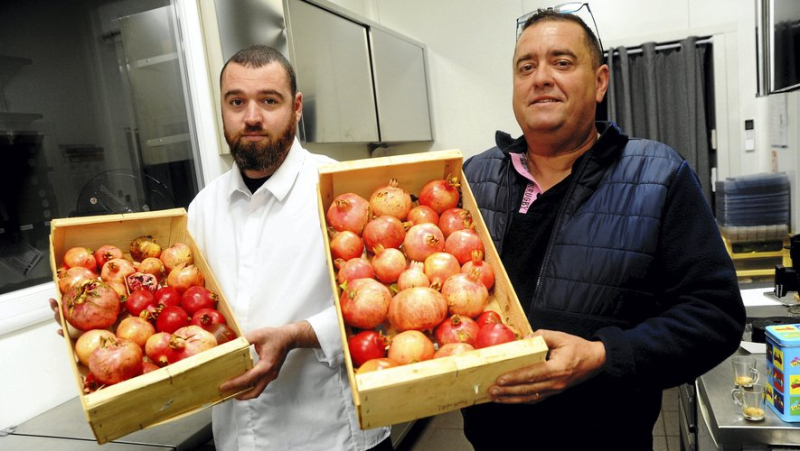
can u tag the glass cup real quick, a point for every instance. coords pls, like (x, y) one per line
(751, 400)
(745, 373)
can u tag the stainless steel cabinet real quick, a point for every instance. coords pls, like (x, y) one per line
(401, 88)
(360, 81)
(332, 61)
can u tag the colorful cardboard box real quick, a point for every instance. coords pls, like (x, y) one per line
(783, 370)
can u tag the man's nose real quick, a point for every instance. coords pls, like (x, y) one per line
(543, 76)
(252, 114)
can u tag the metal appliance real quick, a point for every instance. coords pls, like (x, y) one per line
(788, 279)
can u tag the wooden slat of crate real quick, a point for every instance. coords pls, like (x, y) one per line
(171, 392)
(436, 386)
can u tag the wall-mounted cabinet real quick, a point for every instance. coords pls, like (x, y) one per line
(361, 82)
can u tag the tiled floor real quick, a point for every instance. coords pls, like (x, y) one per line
(444, 432)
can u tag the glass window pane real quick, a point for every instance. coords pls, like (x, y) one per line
(94, 119)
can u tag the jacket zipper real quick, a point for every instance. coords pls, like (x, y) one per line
(557, 226)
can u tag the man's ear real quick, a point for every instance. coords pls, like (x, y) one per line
(298, 106)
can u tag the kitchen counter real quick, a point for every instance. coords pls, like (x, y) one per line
(723, 419)
(65, 428)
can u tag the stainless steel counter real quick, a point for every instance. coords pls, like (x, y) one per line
(723, 418)
(65, 428)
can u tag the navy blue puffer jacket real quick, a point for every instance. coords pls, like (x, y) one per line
(635, 258)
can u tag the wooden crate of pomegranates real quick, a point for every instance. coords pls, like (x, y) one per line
(428, 317)
(149, 333)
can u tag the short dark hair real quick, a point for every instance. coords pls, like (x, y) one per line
(257, 56)
(548, 15)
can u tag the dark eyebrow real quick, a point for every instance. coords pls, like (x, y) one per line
(552, 53)
(263, 92)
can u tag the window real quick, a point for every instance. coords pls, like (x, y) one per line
(94, 119)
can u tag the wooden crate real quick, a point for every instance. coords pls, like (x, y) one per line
(441, 385)
(168, 393)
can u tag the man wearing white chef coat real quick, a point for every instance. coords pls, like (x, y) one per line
(258, 227)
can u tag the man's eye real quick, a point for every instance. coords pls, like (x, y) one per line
(525, 68)
(563, 63)
(236, 102)
(270, 101)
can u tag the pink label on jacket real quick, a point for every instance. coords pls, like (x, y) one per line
(532, 191)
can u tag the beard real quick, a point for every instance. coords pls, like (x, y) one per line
(267, 154)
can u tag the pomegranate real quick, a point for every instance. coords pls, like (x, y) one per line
(410, 346)
(140, 280)
(188, 341)
(346, 245)
(90, 305)
(206, 317)
(439, 266)
(148, 366)
(116, 360)
(144, 247)
(348, 211)
(457, 329)
(422, 214)
(138, 301)
(376, 365)
(453, 349)
(386, 231)
(465, 294)
(222, 332)
(494, 334)
(80, 256)
(422, 240)
(461, 243)
(391, 200)
(157, 348)
(486, 273)
(417, 308)
(176, 255)
(440, 194)
(117, 270)
(413, 276)
(135, 329)
(488, 317)
(454, 219)
(355, 268)
(388, 264)
(154, 266)
(106, 253)
(88, 342)
(183, 277)
(364, 303)
(196, 298)
(171, 318)
(366, 345)
(74, 276)
(119, 288)
(165, 296)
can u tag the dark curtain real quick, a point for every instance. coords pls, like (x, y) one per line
(660, 95)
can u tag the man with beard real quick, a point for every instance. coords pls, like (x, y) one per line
(258, 227)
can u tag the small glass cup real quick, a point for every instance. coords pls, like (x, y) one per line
(751, 400)
(745, 373)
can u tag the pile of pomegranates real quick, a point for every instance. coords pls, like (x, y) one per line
(414, 284)
(132, 314)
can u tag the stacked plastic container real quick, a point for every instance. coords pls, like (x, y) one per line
(753, 207)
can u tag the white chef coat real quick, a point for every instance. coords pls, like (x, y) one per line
(268, 258)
